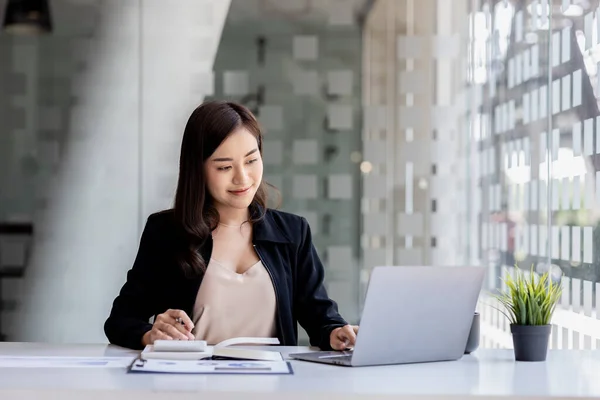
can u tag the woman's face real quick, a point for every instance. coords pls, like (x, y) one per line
(234, 171)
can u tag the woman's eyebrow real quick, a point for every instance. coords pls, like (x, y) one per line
(231, 159)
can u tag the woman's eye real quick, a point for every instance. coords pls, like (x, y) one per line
(253, 160)
(223, 168)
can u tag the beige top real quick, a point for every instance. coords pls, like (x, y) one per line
(230, 305)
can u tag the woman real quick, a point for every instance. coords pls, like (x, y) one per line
(220, 264)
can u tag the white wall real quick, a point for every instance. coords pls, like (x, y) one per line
(135, 81)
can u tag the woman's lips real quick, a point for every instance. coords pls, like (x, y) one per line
(240, 192)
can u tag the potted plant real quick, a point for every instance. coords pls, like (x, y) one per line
(529, 302)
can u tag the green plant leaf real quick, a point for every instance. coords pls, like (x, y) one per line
(529, 299)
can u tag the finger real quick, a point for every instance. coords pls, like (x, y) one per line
(182, 318)
(181, 328)
(158, 335)
(174, 332)
(335, 341)
(168, 319)
(352, 334)
(338, 344)
(355, 329)
(164, 317)
(339, 339)
(347, 333)
(347, 336)
(171, 330)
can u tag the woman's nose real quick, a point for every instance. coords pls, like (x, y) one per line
(240, 176)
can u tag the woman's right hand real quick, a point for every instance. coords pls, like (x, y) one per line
(170, 325)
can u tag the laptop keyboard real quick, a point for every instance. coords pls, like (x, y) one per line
(336, 354)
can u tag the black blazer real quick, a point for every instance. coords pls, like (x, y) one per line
(283, 242)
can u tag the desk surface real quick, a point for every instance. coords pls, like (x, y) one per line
(483, 374)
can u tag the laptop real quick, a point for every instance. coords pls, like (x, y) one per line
(411, 315)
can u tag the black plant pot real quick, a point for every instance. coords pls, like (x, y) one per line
(473, 340)
(530, 341)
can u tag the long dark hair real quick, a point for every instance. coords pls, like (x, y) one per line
(208, 126)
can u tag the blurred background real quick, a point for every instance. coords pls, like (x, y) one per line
(429, 132)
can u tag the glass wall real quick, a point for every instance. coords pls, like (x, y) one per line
(492, 117)
(416, 207)
(537, 75)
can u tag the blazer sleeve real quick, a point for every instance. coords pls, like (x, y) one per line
(135, 304)
(316, 312)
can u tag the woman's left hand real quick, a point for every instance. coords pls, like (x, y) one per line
(343, 337)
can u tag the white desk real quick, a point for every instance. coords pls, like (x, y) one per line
(484, 374)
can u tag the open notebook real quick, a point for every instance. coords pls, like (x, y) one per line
(199, 350)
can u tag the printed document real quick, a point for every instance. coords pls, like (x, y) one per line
(212, 367)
